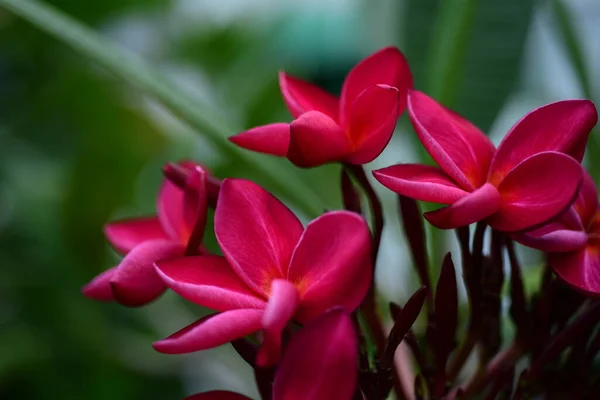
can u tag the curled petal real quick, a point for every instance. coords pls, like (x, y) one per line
(563, 126)
(537, 190)
(316, 139)
(301, 96)
(208, 281)
(331, 265)
(420, 182)
(282, 305)
(271, 139)
(171, 212)
(320, 362)
(195, 208)
(99, 287)
(372, 121)
(217, 395)
(457, 146)
(124, 235)
(553, 237)
(580, 269)
(135, 281)
(385, 67)
(256, 232)
(586, 204)
(475, 207)
(212, 331)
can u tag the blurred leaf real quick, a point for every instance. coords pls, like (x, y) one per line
(467, 53)
(446, 311)
(133, 70)
(493, 61)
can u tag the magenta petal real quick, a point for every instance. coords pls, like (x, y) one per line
(475, 207)
(99, 287)
(256, 232)
(586, 204)
(457, 146)
(563, 126)
(420, 182)
(135, 281)
(217, 395)
(208, 281)
(195, 208)
(316, 139)
(332, 263)
(552, 238)
(371, 122)
(212, 331)
(580, 269)
(282, 305)
(385, 67)
(301, 96)
(171, 212)
(271, 139)
(537, 190)
(124, 235)
(320, 362)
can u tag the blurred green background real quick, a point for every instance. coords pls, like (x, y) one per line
(79, 147)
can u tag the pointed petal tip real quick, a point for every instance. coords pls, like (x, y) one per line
(99, 288)
(270, 139)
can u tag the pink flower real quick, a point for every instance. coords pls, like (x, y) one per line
(175, 231)
(320, 363)
(354, 129)
(273, 270)
(572, 241)
(527, 181)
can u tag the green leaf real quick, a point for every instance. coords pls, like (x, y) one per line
(204, 119)
(573, 47)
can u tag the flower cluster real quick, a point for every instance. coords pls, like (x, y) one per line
(290, 298)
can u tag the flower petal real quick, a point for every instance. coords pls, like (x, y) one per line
(320, 362)
(372, 121)
(212, 331)
(553, 237)
(125, 234)
(316, 139)
(195, 208)
(420, 182)
(586, 204)
(99, 288)
(301, 96)
(217, 395)
(135, 281)
(208, 281)
(580, 269)
(256, 232)
(475, 207)
(170, 211)
(386, 67)
(282, 305)
(331, 265)
(271, 139)
(457, 146)
(562, 126)
(537, 190)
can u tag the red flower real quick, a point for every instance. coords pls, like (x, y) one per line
(573, 241)
(178, 225)
(319, 364)
(354, 129)
(526, 182)
(273, 270)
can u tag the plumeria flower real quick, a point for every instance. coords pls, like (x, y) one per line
(532, 176)
(354, 128)
(273, 271)
(176, 230)
(572, 241)
(320, 363)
